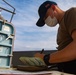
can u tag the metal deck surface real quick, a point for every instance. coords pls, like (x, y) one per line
(15, 71)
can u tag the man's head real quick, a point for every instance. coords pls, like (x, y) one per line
(43, 12)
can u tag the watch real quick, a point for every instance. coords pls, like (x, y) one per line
(46, 59)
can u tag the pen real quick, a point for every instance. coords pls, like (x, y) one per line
(42, 51)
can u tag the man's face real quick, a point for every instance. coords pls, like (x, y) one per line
(49, 13)
(50, 18)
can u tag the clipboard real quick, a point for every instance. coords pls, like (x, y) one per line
(36, 68)
(32, 68)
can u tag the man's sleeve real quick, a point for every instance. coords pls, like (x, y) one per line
(71, 21)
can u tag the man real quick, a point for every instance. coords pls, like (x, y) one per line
(65, 57)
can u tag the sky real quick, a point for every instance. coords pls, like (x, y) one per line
(29, 37)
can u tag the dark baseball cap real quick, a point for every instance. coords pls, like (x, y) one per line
(42, 12)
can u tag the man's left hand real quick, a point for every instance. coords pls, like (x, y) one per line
(39, 55)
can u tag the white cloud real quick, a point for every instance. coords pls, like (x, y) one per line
(37, 45)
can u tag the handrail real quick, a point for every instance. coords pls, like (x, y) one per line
(13, 12)
(7, 10)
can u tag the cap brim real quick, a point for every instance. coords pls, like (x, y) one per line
(40, 22)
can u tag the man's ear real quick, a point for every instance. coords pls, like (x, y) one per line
(53, 7)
